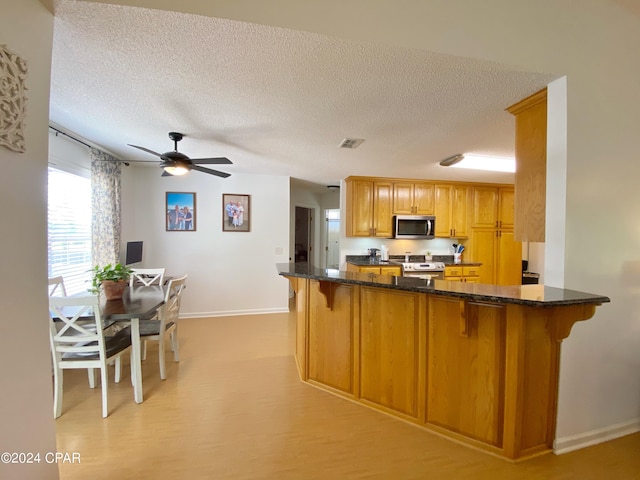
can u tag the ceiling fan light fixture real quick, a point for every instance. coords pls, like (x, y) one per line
(176, 163)
(176, 170)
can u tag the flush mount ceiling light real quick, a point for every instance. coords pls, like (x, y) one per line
(480, 162)
(333, 188)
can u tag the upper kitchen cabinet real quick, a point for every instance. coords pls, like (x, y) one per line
(413, 198)
(369, 207)
(451, 207)
(493, 207)
(531, 167)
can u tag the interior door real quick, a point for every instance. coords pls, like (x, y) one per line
(332, 247)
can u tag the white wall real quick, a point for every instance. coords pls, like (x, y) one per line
(230, 273)
(26, 395)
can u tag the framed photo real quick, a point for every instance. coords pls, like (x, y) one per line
(180, 208)
(236, 212)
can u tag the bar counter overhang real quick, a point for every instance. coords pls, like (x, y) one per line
(476, 363)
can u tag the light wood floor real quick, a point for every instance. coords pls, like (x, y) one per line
(234, 408)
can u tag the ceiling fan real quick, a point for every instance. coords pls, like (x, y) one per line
(176, 163)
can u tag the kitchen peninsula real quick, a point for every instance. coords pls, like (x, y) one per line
(477, 363)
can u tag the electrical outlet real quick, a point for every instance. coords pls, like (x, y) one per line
(279, 250)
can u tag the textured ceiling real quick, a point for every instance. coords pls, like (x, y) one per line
(275, 101)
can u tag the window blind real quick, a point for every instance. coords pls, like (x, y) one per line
(69, 229)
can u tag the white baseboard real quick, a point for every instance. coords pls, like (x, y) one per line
(593, 437)
(232, 313)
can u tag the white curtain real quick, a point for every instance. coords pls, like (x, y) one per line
(105, 207)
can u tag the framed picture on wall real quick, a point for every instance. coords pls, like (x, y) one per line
(180, 208)
(236, 212)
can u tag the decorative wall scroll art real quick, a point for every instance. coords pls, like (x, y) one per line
(236, 212)
(181, 212)
(13, 73)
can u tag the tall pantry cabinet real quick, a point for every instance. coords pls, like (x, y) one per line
(492, 241)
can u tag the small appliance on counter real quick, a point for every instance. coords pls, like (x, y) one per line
(529, 278)
(384, 253)
(373, 252)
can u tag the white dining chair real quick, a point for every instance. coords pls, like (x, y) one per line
(56, 287)
(147, 276)
(167, 325)
(77, 342)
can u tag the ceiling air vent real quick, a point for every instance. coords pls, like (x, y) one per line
(351, 143)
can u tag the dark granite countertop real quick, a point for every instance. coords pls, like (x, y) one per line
(532, 295)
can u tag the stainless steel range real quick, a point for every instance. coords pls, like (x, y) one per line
(423, 269)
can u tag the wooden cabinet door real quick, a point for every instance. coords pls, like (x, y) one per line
(451, 207)
(459, 208)
(509, 265)
(413, 198)
(403, 198)
(485, 207)
(382, 209)
(423, 198)
(367, 269)
(483, 249)
(442, 210)
(369, 208)
(392, 271)
(506, 211)
(360, 208)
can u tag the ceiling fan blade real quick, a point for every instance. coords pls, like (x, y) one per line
(145, 150)
(166, 174)
(139, 161)
(212, 161)
(210, 171)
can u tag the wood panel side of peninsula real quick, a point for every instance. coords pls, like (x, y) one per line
(483, 373)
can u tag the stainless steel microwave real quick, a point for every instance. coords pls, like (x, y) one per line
(414, 226)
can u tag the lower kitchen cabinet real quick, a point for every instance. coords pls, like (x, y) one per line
(499, 253)
(393, 270)
(459, 273)
(484, 373)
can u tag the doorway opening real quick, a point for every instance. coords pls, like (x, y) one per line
(332, 245)
(303, 237)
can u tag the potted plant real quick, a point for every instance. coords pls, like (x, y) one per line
(112, 279)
